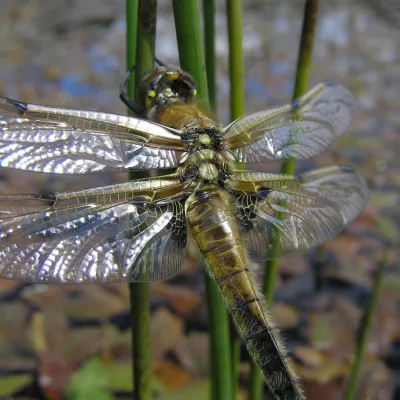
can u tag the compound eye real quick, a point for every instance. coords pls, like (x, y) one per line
(151, 95)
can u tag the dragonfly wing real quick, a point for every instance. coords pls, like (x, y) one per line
(301, 130)
(296, 213)
(107, 234)
(60, 140)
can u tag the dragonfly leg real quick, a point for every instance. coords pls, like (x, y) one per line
(160, 63)
(123, 93)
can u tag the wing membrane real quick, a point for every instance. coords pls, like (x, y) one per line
(300, 130)
(96, 234)
(296, 213)
(60, 140)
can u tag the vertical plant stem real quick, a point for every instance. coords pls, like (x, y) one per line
(212, 294)
(146, 38)
(191, 55)
(301, 84)
(190, 43)
(304, 60)
(140, 313)
(365, 330)
(143, 39)
(235, 357)
(220, 355)
(131, 10)
(237, 108)
(236, 60)
(209, 41)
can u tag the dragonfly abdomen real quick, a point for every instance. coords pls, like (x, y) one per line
(255, 326)
(215, 229)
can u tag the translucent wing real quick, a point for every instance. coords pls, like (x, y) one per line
(300, 130)
(124, 232)
(61, 140)
(296, 212)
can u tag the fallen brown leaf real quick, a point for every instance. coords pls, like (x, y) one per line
(171, 375)
(166, 332)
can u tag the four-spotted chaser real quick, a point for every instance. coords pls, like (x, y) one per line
(137, 230)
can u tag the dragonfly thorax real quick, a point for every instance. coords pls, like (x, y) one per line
(206, 166)
(197, 138)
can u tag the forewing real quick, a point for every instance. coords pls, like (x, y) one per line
(296, 213)
(300, 130)
(108, 234)
(60, 140)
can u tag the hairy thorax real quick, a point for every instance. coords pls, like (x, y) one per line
(206, 161)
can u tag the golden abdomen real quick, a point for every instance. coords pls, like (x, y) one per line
(215, 229)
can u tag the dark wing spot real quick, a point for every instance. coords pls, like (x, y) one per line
(263, 192)
(346, 168)
(19, 105)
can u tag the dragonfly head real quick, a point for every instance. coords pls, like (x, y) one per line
(165, 86)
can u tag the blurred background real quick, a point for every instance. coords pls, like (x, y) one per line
(66, 341)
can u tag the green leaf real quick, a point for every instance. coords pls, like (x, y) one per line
(388, 228)
(13, 383)
(89, 382)
(118, 376)
(321, 332)
(381, 200)
(97, 378)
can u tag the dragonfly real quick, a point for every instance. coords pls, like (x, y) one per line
(137, 230)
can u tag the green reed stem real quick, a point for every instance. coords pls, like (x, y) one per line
(209, 41)
(235, 356)
(191, 55)
(237, 108)
(301, 84)
(146, 38)
(365, 330)
(131, 9)
(220, 355)
(190, 43)
(236, 59)
(304, 61)
(141, 29)
(271, 273)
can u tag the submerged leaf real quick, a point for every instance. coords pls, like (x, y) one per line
(89, 382)
(171, 375)
(166, 332)
(383, 200)
(388, 227)
(14, 383)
